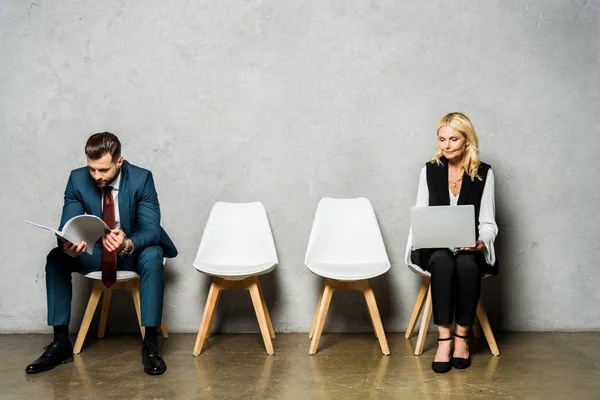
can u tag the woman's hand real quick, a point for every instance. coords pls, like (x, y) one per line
(479, 246)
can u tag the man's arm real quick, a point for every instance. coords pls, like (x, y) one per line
(71, 207)
(147, 231)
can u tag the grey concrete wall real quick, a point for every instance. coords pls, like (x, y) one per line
(286, 102)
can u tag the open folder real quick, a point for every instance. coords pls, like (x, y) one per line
(88, 228)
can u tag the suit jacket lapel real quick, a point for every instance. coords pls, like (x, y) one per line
(96, 201)
(124, 200)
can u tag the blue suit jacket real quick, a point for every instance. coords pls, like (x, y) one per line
(139, 210)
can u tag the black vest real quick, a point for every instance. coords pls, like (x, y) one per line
(470, 193)
(470, 190)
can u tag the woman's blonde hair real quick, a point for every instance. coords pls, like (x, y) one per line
(461, 123)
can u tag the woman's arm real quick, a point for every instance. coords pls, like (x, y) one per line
(488, 229)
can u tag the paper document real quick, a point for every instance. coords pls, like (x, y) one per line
(82, 228)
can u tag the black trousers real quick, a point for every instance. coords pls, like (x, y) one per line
(455, 283)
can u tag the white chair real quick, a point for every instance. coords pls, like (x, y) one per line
(346, 248)
(424, 298)
(236, 247)
(126, 280)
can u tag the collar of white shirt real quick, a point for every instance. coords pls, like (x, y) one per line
(116, 182)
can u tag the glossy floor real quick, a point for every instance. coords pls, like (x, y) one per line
(348, 366)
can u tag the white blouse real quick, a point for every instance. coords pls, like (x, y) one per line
(488, 229)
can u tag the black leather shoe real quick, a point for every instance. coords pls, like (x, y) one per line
(152, 360)
(458, 362)
(54, 354)
(441, 367)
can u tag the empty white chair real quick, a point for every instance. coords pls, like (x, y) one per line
(346, 248)
(424, 299)
(236, 247)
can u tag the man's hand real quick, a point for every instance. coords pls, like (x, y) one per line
(72, 249)
(479, 246)
(114, 240)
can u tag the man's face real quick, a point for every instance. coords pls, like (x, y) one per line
(103, 170)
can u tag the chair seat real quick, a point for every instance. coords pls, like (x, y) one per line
(122, 276)
(235, 272)
(349, 272)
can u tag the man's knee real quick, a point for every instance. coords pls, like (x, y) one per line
(57, 260)
(150, 259)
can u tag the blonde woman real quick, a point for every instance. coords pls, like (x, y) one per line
(456, 176)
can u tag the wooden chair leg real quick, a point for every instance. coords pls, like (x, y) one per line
(104, 311)
(372, 324)
(314, 323)
(425, 320)
(163, 330)
(135, 293)
(418, 307)
(259, 309)
(376, 318)
(212, 317)
(87, 317)
(487, 329)
(322, 315)
(264, 305)
(207, 316)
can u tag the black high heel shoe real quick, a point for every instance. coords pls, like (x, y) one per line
(461, 363)
(441, 367)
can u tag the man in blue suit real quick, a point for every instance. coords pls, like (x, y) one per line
(124, 196)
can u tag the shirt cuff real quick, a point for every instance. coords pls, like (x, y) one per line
(488, 250)
(132, 248)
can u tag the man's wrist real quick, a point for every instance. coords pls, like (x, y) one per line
(128, 249)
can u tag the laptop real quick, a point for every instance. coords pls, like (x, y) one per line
(443, 227)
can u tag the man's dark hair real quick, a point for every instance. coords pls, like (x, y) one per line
(101, 143)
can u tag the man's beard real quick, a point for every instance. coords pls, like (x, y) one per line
(104, 183)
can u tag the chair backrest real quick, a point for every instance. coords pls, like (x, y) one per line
(237, 234)
(345, 231)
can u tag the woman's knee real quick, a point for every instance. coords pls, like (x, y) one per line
(466, 263)
(443, 257)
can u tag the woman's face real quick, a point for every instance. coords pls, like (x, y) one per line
(452, 143)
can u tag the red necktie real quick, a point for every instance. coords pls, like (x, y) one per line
(109, 258)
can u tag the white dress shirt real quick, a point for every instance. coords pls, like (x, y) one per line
(488, 229)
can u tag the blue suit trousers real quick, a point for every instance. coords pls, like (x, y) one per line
(148, 263)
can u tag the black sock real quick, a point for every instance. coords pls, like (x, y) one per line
(151, 335)
(61, 334)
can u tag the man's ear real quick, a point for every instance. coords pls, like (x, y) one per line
(119, 162)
